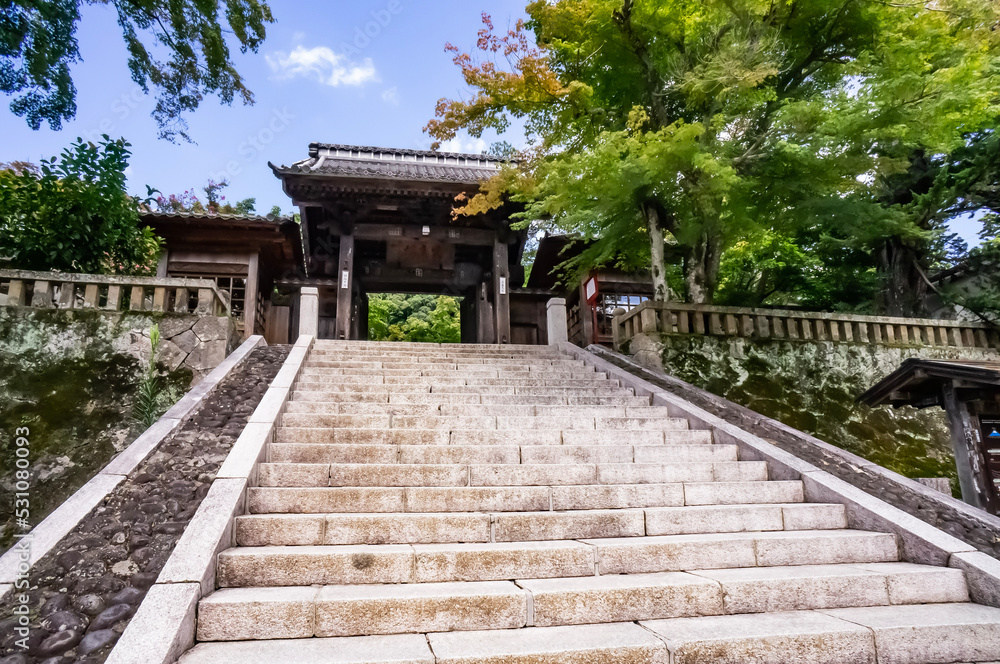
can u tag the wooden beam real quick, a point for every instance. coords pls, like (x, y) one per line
(410, 230)
(345, 286)
(501, 292)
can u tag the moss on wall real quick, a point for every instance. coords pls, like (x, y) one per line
(812, 386)
(69, 377)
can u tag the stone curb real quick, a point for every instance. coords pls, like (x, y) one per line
(65, 518)
(164, 626)
(919, 542)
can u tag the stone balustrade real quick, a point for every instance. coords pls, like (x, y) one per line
(55, 290)
(781, 324)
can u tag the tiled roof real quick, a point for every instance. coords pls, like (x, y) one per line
(209, 216)
(354, 161)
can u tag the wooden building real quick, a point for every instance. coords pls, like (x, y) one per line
(592, 300)
(244, 255)
(379, 220)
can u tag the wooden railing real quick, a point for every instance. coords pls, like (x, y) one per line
(680, 318)
(55, 290)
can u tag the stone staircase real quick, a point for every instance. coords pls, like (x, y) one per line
(459, 504)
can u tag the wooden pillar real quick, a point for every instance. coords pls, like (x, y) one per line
(501, 292)
(972, 474)
(250, 295)
(345, 286)
(484, 312)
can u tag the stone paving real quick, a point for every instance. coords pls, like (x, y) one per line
(84, 592)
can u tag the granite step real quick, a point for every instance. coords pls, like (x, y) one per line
(276, 500)
(498, 454)
(443, 528)
(333, 390)
(920, 634)
(427, 563)
(352, 436)
(363, 610)
(475, 409)
(453, 422)
(394, 475)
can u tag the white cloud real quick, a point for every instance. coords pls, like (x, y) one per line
(391, 96)
(466, 145)
(322, 63)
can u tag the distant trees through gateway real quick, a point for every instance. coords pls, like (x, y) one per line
(408, 317)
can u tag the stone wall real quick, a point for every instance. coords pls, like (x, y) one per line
(70, 377)
(812, 386)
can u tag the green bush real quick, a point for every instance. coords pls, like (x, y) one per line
(74, 214)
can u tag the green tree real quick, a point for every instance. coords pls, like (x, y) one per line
(426, 318)
(74, 214)
(38, 47)
(706, 123)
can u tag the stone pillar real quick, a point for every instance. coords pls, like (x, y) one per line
(558, 329)
(309, 311)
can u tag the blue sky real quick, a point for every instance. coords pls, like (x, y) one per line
(318, 77)
(365, 72)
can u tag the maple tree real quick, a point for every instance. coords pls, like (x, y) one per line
(707, 123)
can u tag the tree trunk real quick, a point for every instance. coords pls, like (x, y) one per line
(701, 269)
(903, 287)
(654, 226)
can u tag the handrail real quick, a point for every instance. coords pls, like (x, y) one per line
(784, 324)
(60, 290)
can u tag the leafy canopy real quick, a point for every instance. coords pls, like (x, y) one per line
(73, 214)
(179, 47)
(710, 123)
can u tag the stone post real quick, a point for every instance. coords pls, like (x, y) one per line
(309, 311)
(556, 319)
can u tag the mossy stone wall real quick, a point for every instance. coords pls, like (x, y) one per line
(69, 376)
(813, 386)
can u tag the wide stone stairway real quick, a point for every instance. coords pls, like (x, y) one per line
(428, 503)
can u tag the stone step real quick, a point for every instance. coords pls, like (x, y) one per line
(474, 409)
(438, 368)
(439, 475)
(363, 610)
(322, 379)
(311, 374)
(317, 435)
(403, 394)
(455, 422)
(426, 563)
(495, 454)
(439, 399)
(442, 528)
(319, 500)
(920, 634)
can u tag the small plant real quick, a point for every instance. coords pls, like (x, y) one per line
(146, 409)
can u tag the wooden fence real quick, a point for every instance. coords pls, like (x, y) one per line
(680, 318)
(54, 290)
